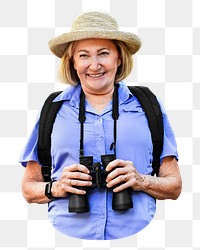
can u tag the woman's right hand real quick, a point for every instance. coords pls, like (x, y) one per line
(72, 177)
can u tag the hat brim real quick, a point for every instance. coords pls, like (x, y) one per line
(58, 44)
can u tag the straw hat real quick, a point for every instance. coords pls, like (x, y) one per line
(94, 25)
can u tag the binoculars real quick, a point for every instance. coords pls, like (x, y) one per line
(79, 203)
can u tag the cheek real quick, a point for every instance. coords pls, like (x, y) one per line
(111, 65)
(80, 67)
(74, 63)
(114, 66)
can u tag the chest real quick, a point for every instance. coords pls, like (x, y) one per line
(132, 131)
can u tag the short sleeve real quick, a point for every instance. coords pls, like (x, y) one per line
(29, 152)
(169, 141)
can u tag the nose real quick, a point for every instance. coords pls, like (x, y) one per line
(94, 64)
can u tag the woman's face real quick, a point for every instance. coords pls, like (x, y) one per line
(96, 62)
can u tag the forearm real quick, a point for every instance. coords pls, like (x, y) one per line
(34, 192)
(33, 186)
(161, 188)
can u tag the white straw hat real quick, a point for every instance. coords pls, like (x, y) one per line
(94, 25)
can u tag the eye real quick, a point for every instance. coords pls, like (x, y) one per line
(83, 55)
(104, 53)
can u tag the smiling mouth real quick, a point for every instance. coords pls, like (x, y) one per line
(95, 75)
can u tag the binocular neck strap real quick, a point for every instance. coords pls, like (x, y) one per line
(115, 115)
(82, 120)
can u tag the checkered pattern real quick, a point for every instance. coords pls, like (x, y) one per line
(168, 63)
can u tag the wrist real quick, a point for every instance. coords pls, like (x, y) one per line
(145, 182)
(54, 189)
(48, 190)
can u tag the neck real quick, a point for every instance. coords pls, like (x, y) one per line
(99, 101)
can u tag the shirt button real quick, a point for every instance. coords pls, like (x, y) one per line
(102, 217)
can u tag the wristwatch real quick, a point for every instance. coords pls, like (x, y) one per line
(48, 190)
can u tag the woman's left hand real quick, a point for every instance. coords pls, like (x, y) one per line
(167, 185)
(123, 174)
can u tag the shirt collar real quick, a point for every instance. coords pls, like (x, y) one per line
(125, 94)
(72, 94)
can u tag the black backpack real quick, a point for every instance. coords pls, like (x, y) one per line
(148, 102)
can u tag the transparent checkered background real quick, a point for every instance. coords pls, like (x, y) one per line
(168, 62)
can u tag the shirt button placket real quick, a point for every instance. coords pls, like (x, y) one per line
(100, 148)
(100, 144)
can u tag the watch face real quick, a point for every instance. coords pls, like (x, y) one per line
(48, 190)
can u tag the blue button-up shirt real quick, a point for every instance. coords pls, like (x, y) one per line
(133, 144)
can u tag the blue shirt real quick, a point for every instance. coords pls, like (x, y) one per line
(133, 144)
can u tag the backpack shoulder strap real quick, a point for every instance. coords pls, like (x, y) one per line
(153, 113)
(47, 118)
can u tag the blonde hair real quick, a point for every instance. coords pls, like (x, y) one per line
(67, 73)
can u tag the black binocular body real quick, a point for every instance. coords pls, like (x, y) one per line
(79, 203)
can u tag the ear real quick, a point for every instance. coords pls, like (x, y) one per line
(119, 61)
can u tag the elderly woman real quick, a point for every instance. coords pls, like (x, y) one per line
(96, 57)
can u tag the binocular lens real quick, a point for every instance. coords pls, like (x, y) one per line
(78, 203)
(122, 200)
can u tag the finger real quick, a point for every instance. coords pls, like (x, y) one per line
(115, 173)
(125, 177)
(80, 183)
(121, 187)
(77, 167)
(74, 190)
(115, 163)
(80, 176)
(69, 182)
(75, 186)
(116, 181)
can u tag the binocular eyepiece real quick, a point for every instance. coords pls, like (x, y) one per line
(79, 203)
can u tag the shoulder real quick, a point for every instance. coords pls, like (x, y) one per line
(124, 93)
(69, 93)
